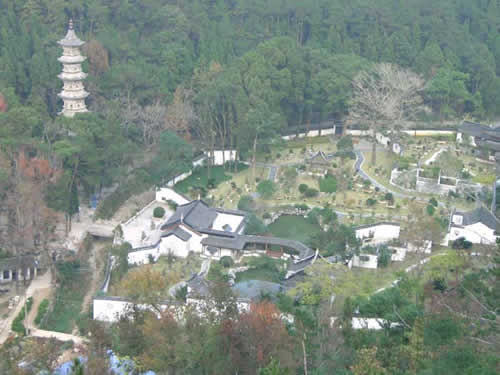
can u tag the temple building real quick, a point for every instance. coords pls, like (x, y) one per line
(485, 138)
(73, 93)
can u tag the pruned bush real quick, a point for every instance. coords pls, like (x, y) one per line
(371, 202)
(461, 243)
(302, 206)
(255, 226)
(159, 212)
(311, 192)
(226, 261)
(433, 202)
(303, 188)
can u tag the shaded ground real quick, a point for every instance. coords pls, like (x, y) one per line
(255, 288)
(293, 228)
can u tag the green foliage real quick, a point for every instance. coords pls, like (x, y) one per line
(345, 143)
(311, 193)
(430, 209)
(42, 311)
(266, 189)
(18, 322)
(159, 212)
(226, 261)
(370, 202)
(73, 282)
(461, 243)
(328, 184)
(303, 188)
(255, 226)
(216, 274)
(199, 180)
(433, 202)
(246, 203)
(389, 198)
(384, 257)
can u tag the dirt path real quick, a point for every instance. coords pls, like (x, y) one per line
(97, 266)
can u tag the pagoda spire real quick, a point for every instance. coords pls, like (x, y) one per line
(73, 93)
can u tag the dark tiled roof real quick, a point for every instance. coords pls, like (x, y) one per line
(238, 242)
(179, 232)
(196, 214)
(479, 215)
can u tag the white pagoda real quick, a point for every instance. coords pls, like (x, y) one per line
(73, 93)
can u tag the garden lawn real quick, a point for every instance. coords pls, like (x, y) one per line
(262, 274)
(199, 178)
(294, 228)
(74, 281)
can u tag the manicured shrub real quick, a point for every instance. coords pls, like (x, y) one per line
(461, 243)
(302, 206)
(433, 202)
(371, 202)
(159, 212)
(303, 188)
(226, 261)
(328, 184)
(311, 192)
(389, 198)
(266, 215)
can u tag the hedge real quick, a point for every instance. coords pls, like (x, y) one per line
(17, 324)
(42, 310)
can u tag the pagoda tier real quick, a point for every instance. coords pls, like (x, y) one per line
(73, 93)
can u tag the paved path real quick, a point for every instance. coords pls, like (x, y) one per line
(41, 282)
(358, 167)
(58, 335)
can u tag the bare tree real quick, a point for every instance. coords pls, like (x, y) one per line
(180, 114)
(385, 93)
(151, 121)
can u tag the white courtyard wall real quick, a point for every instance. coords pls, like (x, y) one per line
(174, 244)
(381, 233)
(371, 263)
(110, 310)
(142, 256)
(221, 156)
(166, 194)
(476, 233)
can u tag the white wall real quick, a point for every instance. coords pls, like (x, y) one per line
(107, 310)
(179, 178)
(165, 194)
(358, 133)
(399, 254)
(221, 156)
(428, 133)
(381, 233)
(174, 244)
(475, 233)
(371, 263)
(142, 256)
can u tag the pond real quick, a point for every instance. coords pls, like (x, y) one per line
(255, 288)
(293, 227)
